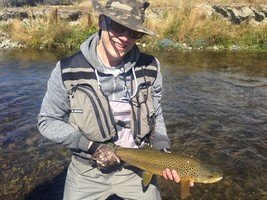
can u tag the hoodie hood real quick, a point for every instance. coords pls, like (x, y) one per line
(88, 48)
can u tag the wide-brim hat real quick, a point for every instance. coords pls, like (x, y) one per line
(129, 13)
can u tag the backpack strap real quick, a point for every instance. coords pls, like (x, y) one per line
(77, 70)
(142, 117)
(144, 68)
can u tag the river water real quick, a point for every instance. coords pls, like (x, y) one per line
(215, 108)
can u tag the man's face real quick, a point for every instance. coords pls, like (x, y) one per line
(113, 44)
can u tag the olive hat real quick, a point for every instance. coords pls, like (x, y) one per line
(129, 13)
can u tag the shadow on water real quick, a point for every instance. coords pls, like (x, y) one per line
(214, 105)
(52, 190)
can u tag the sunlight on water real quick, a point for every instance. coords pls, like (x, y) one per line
(215, 108)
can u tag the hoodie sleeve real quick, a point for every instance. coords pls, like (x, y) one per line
(160, 137)
(52, 119)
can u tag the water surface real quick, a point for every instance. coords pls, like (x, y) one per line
(215, 108)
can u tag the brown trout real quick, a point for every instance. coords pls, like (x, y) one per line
(154, 162)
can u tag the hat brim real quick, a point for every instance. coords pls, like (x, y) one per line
(123, 18)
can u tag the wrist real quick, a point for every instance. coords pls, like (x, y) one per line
(93, 146)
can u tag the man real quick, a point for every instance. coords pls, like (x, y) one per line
(108, 93)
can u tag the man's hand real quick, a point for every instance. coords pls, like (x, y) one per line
(173, 176)
(105, 156)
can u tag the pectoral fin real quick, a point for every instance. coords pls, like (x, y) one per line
(185, 189)
(147, 176)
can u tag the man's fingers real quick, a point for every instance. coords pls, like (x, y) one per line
(176, 177)
(171, 175)
(191, 184)
(164, 174)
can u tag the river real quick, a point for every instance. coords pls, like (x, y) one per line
(215, 108)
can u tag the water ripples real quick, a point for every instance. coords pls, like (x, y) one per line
(215, 108)
(220, 116)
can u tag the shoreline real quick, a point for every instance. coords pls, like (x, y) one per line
(237, 15)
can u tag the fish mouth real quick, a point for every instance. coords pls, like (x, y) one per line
(218, 179)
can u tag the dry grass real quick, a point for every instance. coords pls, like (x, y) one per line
(174, 3)
(179, 3)
(182, 23)
(179, 23)
(19, 32)
(186, 23)
(51, 32)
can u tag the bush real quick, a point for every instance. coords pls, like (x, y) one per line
(44, 33)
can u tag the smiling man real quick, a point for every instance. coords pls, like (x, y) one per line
(107, 94)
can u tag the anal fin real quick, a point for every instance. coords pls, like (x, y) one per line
(185, 187)
(147, 176)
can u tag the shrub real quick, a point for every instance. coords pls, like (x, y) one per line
(46, 33)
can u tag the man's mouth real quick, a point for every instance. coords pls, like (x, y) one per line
(120, 46)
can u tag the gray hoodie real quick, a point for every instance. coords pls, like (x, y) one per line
(53, 116)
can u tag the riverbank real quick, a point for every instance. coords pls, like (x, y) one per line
(183, 26)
